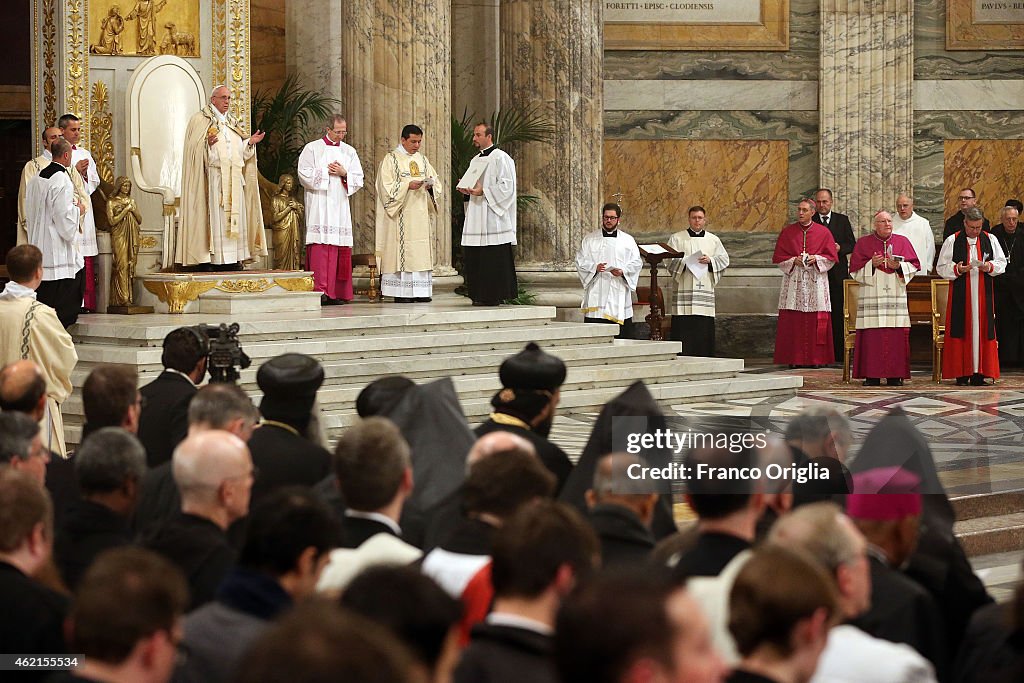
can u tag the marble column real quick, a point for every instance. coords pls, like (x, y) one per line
(476, 78)
(551, 58)
(866, 85)
(389, 62)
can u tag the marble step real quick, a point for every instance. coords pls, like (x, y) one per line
(992, 534)
(591, 400)
(987, 504)
(510, 338)
(485, 382)
(353, 320)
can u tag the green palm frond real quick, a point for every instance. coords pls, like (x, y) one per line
(290, 117)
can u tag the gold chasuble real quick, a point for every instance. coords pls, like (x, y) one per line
(405, 217)
(221, 217)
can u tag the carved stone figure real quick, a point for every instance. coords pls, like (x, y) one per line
(111, 28)
(178, 43)
(287, 213)
(125, 227)
(145, 11)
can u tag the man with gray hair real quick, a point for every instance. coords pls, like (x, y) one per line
(822, 436)
(915, 228)
(215, 406)
(110, 465)
(971, 258)
(20, 446)
(221, 217)
(828, 537)
(621, 511)
(330, 171)
(214, 473)
(1010, 290)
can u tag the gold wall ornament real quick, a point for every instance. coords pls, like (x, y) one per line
(76, 56)
(220, 41)
(143, 28)
(295, 284)
(49, 63)
(177, 294)
(238, 60)
(102, 126)
(147, 242)
(257, 286)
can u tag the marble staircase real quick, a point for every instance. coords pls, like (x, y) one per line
(361, 342)
(990, 523)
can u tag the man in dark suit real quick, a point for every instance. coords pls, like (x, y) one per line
(620, 516)
(280, 446)
(33, 614)
(842, 232)
(375, 477)
(164, 420)
(955, 223)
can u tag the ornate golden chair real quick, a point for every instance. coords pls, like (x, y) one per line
(851, 291)
(940, 293)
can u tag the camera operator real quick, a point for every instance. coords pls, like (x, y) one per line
(164, 421)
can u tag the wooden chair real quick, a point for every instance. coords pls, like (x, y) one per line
(369, 260)
(940, 294)
(851, 291)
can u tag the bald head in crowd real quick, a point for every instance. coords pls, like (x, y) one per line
(23, 389)
(498, 442)
(214, 472)
(612, 486)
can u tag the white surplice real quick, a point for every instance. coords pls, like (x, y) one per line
(605, 295)
(491, 217)
(690, 295)
(85, 185)
(328, 211)
(919, 232)
(53, 224)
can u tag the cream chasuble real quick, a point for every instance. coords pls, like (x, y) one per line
(691, 296)
(29, 329)
(405, 218)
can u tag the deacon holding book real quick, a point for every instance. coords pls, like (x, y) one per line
(407, 187)
(693, 285)
(804, 252)
(609, 266)
(330, 171)
(970, 258)
(489, 232)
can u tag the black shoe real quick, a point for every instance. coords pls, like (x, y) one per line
(894, 381)
(404, 300)
(422, 300)
(962, 381)
(872, 382)
(977, 380)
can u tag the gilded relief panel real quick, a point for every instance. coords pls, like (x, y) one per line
(990, 167)
(142, 28)
(743, 184)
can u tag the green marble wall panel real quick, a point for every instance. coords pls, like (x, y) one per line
(932, 61)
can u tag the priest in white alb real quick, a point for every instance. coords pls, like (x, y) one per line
(330, 171)
(693, 297)
(31, 170)
(883, 263)
(489, 232)
(86, 179)
(609, 266)
(407, 187)
(221, 218)
(54, 210)
(915, 228)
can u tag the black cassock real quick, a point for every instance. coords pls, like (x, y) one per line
(1009, 291)
(842, 233)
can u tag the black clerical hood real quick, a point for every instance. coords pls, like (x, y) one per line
(532, 369)
(431, 420)
(895, 442)
(289, 383)
(636, 402)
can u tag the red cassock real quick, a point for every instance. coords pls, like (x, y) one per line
(804, 333)
(958, 351)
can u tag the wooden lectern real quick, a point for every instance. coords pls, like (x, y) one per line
(654, 259)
